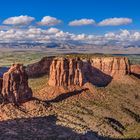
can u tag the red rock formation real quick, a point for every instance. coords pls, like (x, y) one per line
(65, 72)
(15, 87)
(135, 69)
(113, 66)
(40, 68)
(76, 71)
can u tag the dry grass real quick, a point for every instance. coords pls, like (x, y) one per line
(89, 110)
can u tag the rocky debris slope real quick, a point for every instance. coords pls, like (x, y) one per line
(15, 87)
(39, 68)
(135, 69)
(77, 71)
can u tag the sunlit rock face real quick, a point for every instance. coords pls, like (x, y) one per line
(65, 72)
(135, 70)
(113, 66)
(15, 87)
(77, 71)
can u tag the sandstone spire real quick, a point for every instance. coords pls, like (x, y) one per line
(15, 87)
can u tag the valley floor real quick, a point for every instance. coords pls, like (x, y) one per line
(91, 113)
(74, 113)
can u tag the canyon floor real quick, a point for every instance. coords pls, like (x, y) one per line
(88, 113)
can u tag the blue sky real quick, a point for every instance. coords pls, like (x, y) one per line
(111, 23)
(68, 10)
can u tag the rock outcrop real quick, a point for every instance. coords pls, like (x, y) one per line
(65, 72)
(39, 68)
(135, 70)
(77, 71)
(113, 66)
(15, 87)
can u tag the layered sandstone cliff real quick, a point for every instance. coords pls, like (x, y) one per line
(39, 68)
(65, 72)
(77, 71)
(15, 87)
(113, 66)
(135, 70)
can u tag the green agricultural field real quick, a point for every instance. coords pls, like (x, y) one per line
(134, 59)
(28, 57)
(25, 57)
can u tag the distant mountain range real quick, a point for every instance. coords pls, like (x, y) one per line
(72, 46)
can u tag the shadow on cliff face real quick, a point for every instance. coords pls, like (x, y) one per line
(64, 96)
(100, 79)
(40, 68)
(136, 75)
(44, 128)
(96, 76)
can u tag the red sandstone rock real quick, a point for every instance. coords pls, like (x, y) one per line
(15, 87)
(76, 71)
(65, 72)
(113, 66)
(39, 68)
(135, 69)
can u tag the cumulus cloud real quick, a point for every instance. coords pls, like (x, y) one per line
(110, 40)
(19, 20)
(49, 21)
(54, 35)
(82, 22)
(115, 21)
(52, 30)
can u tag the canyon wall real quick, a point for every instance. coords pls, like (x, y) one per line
(135, 70)
(113, 66)
(97, 70)
(39, 68)
(64, 72)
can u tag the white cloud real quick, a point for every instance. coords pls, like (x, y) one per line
(110, 35)
(52, 30)
(124, 37)
(136, 36)
(19, 20)
(81, 37)
(49, 21)
(82, 22)
(110, 40)
(115, 21)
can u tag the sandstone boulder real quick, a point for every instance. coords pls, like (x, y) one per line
(15, 87)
